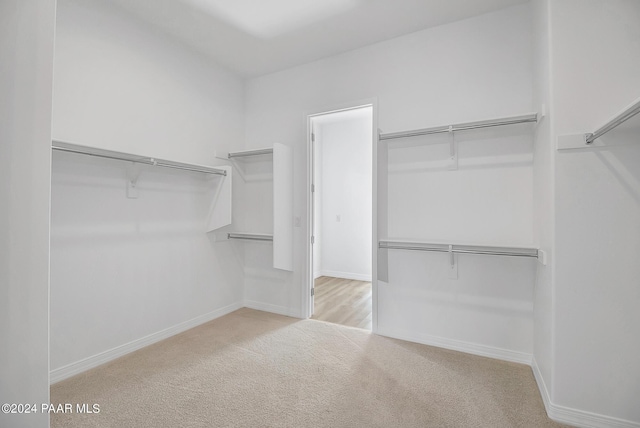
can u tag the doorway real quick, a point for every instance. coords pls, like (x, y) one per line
(341, 216)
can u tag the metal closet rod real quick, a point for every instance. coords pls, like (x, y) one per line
(250, 236)
(627, 114)
(108, 154)
(527, 118)
(250, 153)
(462, 249)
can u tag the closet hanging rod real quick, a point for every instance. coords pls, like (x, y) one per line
(250, 236)
(627, 114)
(108, 154)
(513, 120)
(250, 153)
(462, 249)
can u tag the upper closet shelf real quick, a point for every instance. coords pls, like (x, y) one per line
(220, 208)
(251, 165)
(110, 154)
(625, 133)
(511, 120)
(247, 153)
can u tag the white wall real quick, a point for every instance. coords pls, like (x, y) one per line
(122, 85)
(124, 269)
(487, 200)
(26, 74)
(595, 61)
(345, 234)
(470, 70)
(544, 211)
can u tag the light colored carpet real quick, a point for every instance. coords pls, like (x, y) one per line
(254, 369)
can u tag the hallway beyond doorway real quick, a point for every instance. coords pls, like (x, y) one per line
(343, 301)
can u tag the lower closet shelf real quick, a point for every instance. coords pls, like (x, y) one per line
(461, 249)
(250, 236)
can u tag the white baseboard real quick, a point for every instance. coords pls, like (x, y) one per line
(267, 307)
(542, 385)
(90, 362)
(574, 417)
(346, 275)
(458, 345)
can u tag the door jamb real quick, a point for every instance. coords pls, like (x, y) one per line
(307, 280)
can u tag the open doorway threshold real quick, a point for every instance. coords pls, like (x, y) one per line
(343, 301)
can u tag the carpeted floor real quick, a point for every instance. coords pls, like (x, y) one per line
(254, 369)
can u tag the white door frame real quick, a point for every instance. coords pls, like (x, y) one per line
(307, 281)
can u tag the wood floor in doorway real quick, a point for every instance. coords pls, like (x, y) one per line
(343, 301)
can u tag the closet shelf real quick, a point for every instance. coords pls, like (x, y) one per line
(278, 159)
(110, 154)
(626, 134)
(616, 121)
(247, 153)
(511, 120)
(220, 209)
(461, 249)
(250, 236)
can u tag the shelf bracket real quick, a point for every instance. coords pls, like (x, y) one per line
(453, 150)
(133, 172)
(453, 264)
(542, 257)
(239, 169)
(541, 113)
(221, 155)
